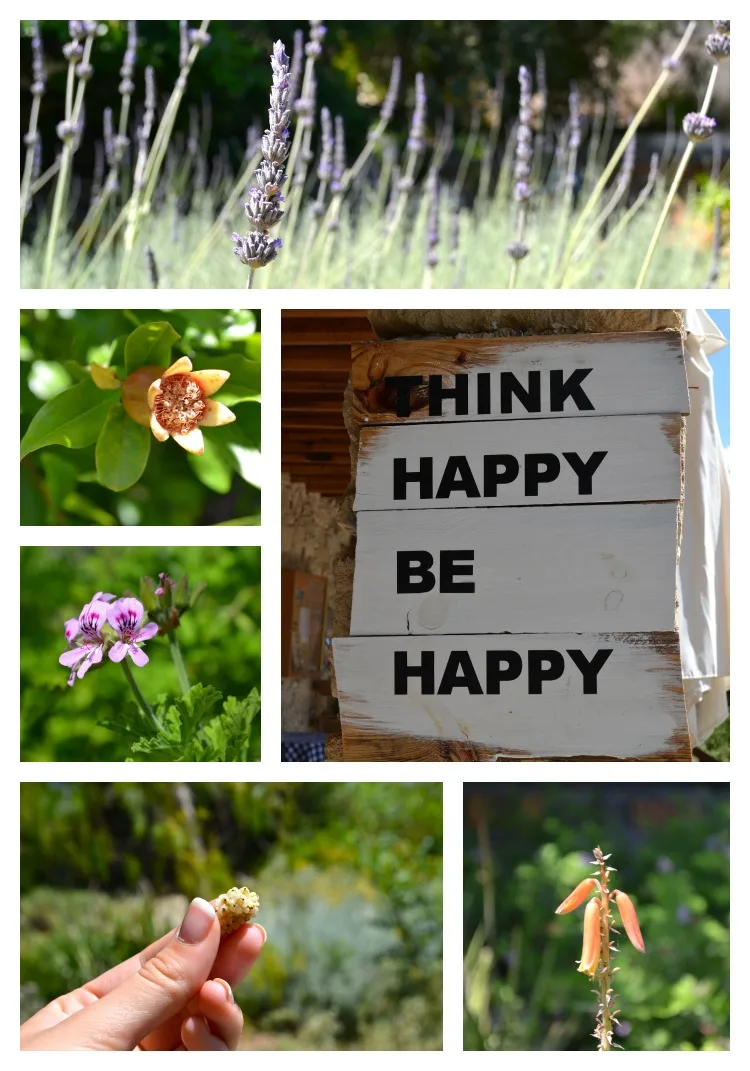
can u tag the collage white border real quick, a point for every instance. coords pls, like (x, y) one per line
(268, 537)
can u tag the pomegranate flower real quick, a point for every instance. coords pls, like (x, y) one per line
(85, 637)
(179, 404)
(126, 618)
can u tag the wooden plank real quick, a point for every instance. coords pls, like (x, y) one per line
(554, 569)
(512, 378)
(636, 713)
(541, 462)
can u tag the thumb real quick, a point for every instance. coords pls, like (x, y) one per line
(163, 987)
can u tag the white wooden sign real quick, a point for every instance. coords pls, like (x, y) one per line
(438, 380)
(605, 695)
(517, 463)
(558, 569)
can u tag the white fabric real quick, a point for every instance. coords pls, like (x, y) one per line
(703, 569)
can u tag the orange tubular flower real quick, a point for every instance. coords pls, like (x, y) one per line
(592, 943)
(179, 403)
(629, 919)
(576, 898)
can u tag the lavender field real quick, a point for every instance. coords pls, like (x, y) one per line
(509, 180)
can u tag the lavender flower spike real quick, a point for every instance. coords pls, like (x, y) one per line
(389, 100)
(263, 208)
(416, 132)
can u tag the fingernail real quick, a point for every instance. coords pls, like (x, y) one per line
(197, 923)
(259, 927)
(227, 988)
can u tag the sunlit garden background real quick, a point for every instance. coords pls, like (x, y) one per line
(219, 639)
(86, 462)
(527, 846)
(349, 878)
(459, 153)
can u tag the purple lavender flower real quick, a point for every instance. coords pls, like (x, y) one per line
(717, 46)
(295, 69)
(314, 46)
(85, 638)
(38, 68)
(415, 142)
(389, 100)
(524, 151)
(325, 164)
(670, 63)
(199, 38)
(698, 127)
(517, 250)
(257, 248)
(339, 156)
(126, 617)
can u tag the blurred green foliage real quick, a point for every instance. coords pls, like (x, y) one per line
(60, 486)
(349, 878)
(460, 59)
(527, 846)
(219, 639)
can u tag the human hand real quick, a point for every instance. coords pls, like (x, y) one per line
(175, 994)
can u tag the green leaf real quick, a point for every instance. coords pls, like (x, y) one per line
(73, 419)
(33, 506)
(60, 477)
(83, 507)
(212, 467)
(122, 450)
(243, 384)
(255, 519)
(150, 344)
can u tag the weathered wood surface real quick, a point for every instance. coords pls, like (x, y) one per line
(524, 462)
(555, 569)
(637, 712)
(638, 373)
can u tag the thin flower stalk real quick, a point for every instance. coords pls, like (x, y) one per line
(118, 144)
(598, 941)
(414, 147)
(569, 179)
(518, 249)
(69, 133)
(617, 155)
(31, 140)
(614, 232)
(468, 154)
(141, 197)
(432, 258)
(698, 128)
(621, 188)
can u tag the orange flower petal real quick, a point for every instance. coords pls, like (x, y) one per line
(217, 414)
(181, 366)
(161, 434)
(629, 919)
(576, 898)
(192, 442)
(210, 379)
(152, 391)
(592, 942)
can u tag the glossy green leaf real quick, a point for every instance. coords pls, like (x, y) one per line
(73, 418)
(243, 384)
(122, 450)
(150, 344)
(213, 468)
(60, 477)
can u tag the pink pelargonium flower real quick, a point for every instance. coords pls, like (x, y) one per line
(88, 627)
(126, 618)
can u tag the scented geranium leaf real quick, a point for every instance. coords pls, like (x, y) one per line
(122, 450)
(60, 477)
(129, 719)
(150, 344)
(213, 467)
(73, 419)
(180, 726)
